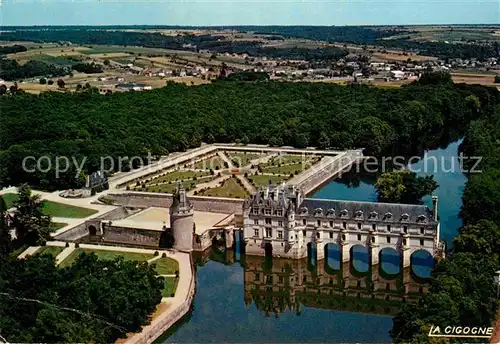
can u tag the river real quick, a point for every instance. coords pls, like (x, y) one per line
(303, 306)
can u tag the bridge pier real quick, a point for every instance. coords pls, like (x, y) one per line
(374, 254)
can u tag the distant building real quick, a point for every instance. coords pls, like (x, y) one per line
(94, 183)
(397, 74)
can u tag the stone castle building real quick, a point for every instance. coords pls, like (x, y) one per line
(280, 222)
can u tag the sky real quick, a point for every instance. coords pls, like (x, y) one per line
(248, 12)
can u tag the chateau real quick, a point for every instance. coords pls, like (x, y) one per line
(280, 222)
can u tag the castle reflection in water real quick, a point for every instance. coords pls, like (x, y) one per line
(278, 285)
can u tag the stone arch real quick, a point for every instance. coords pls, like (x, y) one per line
(389, 262)
(312, 256)
(333, 258)
(422, 263)
(360, 258)
(92, 230)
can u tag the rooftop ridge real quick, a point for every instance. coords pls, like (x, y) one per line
(366, 202)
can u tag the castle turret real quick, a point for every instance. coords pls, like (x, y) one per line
(181, 220)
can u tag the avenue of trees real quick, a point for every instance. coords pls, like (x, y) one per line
(12, 70)
(88, 68)
(85, 127)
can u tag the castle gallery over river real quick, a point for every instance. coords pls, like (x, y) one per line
(273, 219)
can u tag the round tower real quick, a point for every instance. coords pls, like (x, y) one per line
(181, 220)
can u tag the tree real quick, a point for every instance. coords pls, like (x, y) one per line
(107, 62)
(404, 187)
(324, 140)
(61, 83)
(3, 89)
(483, 237)
(50, 82)
(497, 79)
(31, 224)
(5, 239)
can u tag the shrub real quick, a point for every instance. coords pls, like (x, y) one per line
(67, 244)
(77, 245)
(156, 254)
(164, 255)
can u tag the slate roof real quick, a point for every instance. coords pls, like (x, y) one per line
(180, 201)
(367, 211)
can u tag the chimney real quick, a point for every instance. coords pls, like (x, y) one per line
(435, 207)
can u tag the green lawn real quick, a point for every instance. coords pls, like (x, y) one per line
(285, 169)
(263, 180)
(170, 286)
(166, 266)
(54, 209)
(60, 60)
(106, 255)
(9, 199)
(212, 163)
(179, 175)
(230, 188)
(52, 250)
(170, 188)
(240, 159)
(54, 226)
(64, 210)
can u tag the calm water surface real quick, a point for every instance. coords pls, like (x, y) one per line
(220, 313)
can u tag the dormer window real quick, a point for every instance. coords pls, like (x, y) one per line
(388, 216)
(255, 211)
(405, 217)
(344, 213)
(331, 213)
(303, 211)
(373, 215)
(422, 218)
(359, 214)
(318, 212)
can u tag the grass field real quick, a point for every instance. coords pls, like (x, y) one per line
(240, 159)
(285, 169)
(52, 250)
(64, 210)
(178, 175)
(263, 180)
(170, 187)
(166, 266)
(105, 255)
(50, 59)
(212, 163)
(170, 286)
(9, 199)
(54, 209)
(230, 188)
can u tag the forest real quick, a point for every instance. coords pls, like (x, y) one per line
(12, 49)
(178, 117)
(462, 287)
(12, 70)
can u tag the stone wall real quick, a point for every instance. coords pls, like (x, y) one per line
(80, 230)
(131, 236)
(200, 203)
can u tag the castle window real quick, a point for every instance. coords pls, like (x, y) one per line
(255, 211)
(281, 279)
(421, 242)
(359, 214)
(331, 235)
(373, 239)
(405, 217)
(373, 215)
(331, 212)
(317, 235)
(268, 211)
(388, 216)
(280, 234)
(405, 229)
(319, 223)
(344, 213)
(280, 223)
(374, 227)
(268, 221)
(256, 232)
(388, 240)
(269, 232)
(303, 211)
(422, 230)
(279, 212)
(404, 242)
(422, 218)
(304, 222)
(256, 276)
(256, 222)
(359, 225)
(344, 225)
(388, 228)
(331, 223)
(318, 212)
(304, 233)
(359, 237)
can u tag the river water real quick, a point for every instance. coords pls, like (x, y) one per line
(249, 299)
